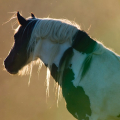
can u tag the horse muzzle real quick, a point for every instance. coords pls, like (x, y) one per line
(9, 66)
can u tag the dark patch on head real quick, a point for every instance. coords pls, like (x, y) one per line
(83, 43)
(18, 56)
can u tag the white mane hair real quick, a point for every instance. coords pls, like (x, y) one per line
(57, 31)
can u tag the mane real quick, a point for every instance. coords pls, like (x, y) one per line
(58, 31)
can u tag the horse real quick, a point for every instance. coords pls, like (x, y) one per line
(87, 72)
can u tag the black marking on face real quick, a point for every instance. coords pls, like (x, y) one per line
(18, 55)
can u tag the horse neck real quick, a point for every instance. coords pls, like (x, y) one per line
(51, 53)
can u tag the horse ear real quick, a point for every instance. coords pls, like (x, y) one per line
(21, 20)
(32, 15)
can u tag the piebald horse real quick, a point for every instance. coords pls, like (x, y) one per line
(87, 71)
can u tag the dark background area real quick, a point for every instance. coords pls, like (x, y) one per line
(17, 100)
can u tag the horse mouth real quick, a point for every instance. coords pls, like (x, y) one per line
(10, 67)
(12, 71)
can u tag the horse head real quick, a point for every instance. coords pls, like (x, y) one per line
(18, 55)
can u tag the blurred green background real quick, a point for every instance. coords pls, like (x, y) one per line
(17, 100)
